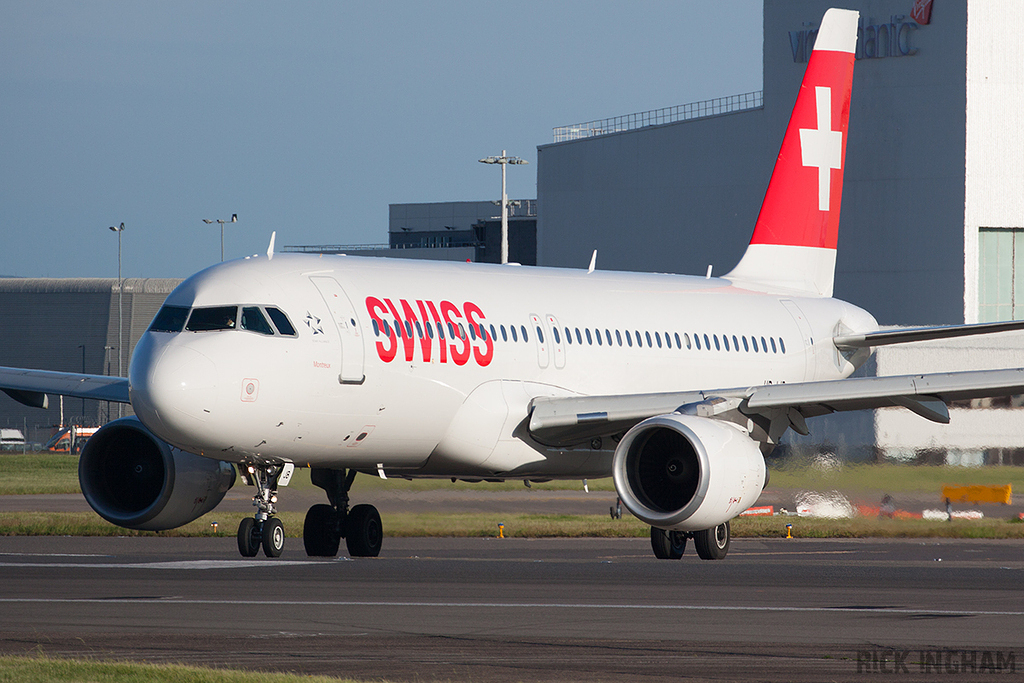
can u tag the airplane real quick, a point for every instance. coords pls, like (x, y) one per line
(675, 386)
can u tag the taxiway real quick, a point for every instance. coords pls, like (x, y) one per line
(513, 609)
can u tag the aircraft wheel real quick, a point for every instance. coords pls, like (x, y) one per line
(320, 531)
(712, 544)
(273, 537)
(667, 544)
(249, 537)
(363, 531)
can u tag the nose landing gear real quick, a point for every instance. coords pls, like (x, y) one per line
(263, 530)
(326, 525)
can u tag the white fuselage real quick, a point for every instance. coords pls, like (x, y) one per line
(346, 391)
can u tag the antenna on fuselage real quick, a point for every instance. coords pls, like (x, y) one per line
(270, 249)
(593, 262)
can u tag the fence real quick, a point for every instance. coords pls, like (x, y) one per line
(657, 117)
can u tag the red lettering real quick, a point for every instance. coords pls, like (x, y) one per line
(425, 340)
(441, 346)
(483, 358)
(386, 354)
(410, 345)
(451, 315)
(479, 344)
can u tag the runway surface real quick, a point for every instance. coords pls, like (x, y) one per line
(523, 610)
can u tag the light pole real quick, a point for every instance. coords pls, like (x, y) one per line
(504, 161)
(120, 310)
(106, 358)
(82, 346)
(233, 219)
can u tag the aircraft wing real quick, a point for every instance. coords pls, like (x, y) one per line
(564, 421)
(32, 386)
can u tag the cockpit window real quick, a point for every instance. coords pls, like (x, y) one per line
(253, 320)
(169, 319)
(281, 321)
(216, 318)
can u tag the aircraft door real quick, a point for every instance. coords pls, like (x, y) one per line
(344, 316)
(542, 340)
(557, 345)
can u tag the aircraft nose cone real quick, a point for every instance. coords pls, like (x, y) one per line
(173, 390)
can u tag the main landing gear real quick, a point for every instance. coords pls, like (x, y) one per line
(326, 525)
(264, 530)
(711, 544)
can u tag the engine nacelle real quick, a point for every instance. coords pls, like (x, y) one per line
(134, 480)
(687, 473)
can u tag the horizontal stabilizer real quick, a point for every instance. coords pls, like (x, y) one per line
(916, 334)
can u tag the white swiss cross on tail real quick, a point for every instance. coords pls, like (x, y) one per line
(822, 147)
(793, 248)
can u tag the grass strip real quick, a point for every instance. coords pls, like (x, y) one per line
(525, 526)
(57, 670)
(35, 473)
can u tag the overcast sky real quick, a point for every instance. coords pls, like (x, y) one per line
(310, 118)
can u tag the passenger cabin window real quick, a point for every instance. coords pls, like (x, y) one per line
(253, 320)
(169, 319)
(211, 319)
(280, 321)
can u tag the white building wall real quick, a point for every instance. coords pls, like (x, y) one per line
(994, 173)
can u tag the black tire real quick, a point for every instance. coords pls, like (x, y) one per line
(273, 537)
(320, 533)
(712, 544)
(249, 537)
(667, 545)
(363, 531)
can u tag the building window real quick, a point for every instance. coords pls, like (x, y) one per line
(1000, 274)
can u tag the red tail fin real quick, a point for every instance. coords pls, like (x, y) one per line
(794, 241)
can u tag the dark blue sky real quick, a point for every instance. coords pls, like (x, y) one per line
(310, 118)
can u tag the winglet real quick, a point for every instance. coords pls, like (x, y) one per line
(270, 249)
(793, 247)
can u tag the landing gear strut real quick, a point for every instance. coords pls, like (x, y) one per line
(711, 544)
(326, 525)
(264, 530)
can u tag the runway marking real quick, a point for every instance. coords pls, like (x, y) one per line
(52, 555)
(180, 564)
(518, 605)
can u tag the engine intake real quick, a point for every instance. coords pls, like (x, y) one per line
(687, 473)
(134, 480)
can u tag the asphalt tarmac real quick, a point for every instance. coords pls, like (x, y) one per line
(527, 610)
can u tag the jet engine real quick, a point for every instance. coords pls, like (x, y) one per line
(134, 480)
(687, 473)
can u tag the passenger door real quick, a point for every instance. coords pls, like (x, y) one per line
(344, 316)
